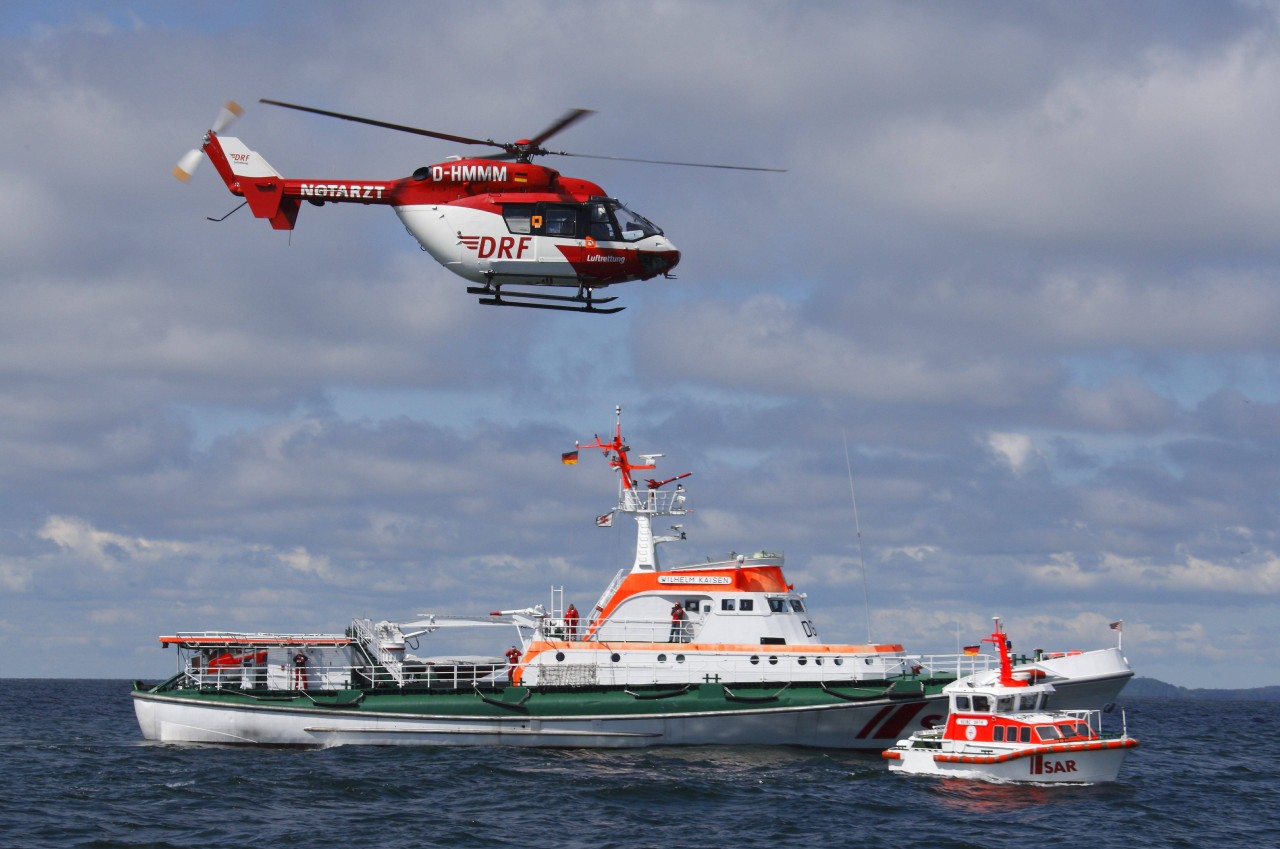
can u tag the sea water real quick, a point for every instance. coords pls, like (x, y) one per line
(75, 772)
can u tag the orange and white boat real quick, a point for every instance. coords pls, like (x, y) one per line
(1000, 728)
(720, 651)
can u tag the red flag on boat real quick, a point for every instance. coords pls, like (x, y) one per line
(1117, 626)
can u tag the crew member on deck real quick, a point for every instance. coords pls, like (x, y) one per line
(513, 658)
(571, 622)
(677, 623)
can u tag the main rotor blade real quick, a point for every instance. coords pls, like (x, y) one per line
(667, 162)
(568, 119)
(384, 124)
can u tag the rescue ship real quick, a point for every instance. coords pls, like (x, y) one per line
(1000, 728)
(717, 652)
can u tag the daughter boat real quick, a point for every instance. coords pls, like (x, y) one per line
(718, 652)
(1000, 728)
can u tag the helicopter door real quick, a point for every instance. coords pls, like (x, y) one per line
(559, 223)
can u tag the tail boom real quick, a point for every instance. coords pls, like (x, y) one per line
(271, 196)
(247, 174)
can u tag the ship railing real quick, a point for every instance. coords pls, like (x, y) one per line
(281, 675)
(629, 631)
(652, 501)
(953, 665)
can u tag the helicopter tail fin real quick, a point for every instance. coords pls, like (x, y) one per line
(247, 173)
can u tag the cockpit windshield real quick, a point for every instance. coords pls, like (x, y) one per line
(612, 221)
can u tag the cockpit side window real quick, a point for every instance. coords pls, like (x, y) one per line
(518, 217)
(602, 226)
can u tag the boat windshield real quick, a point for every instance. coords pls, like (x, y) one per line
(1048, 732)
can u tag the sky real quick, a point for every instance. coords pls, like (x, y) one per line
(1024, 264)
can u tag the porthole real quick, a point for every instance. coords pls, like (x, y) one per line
(662, 658)
(803, 661)
(773, 660)
(615, 657)
(560, 656)
(839, 661)
(755, 659)
(818, 661)
(679, 658)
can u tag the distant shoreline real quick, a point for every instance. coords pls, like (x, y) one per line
(1140, 688)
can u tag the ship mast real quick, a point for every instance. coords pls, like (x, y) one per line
(643, 502)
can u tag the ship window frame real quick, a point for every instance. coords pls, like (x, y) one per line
(746, 605)
(728, 605)
(777, 605)
(997, 734)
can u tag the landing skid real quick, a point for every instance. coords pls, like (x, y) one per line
(492, 296)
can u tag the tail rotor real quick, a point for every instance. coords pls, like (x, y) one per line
(191, 159)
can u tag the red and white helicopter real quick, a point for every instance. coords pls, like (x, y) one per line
(498, 221)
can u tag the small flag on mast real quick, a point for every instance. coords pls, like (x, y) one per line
(605, 521)
(1117, 626)
(971, 649)
(569, 458)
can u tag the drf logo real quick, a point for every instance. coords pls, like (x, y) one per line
(490, 247)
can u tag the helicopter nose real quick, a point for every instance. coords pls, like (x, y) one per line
(659, 262)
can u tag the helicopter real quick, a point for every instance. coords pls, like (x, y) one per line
(510, 227)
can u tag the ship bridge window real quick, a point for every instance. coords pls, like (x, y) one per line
(797, 605)
(1047, 732)
(982, 704)
(1027, 702)
(962, 703)
(691, 605)
(518, 217)
(778, 605)
(746, 604)
(726, 604)
(1004, 704)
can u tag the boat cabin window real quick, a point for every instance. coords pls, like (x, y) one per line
(982, 704)
(1027, 701)
(778, 605)
(746, 604)
(691, 605)
(518, 217)
(997, 734)
(1048, 732)
(1025, 734)
(797, 605)
(726, 604)
(962, 702)
(1004, 704)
